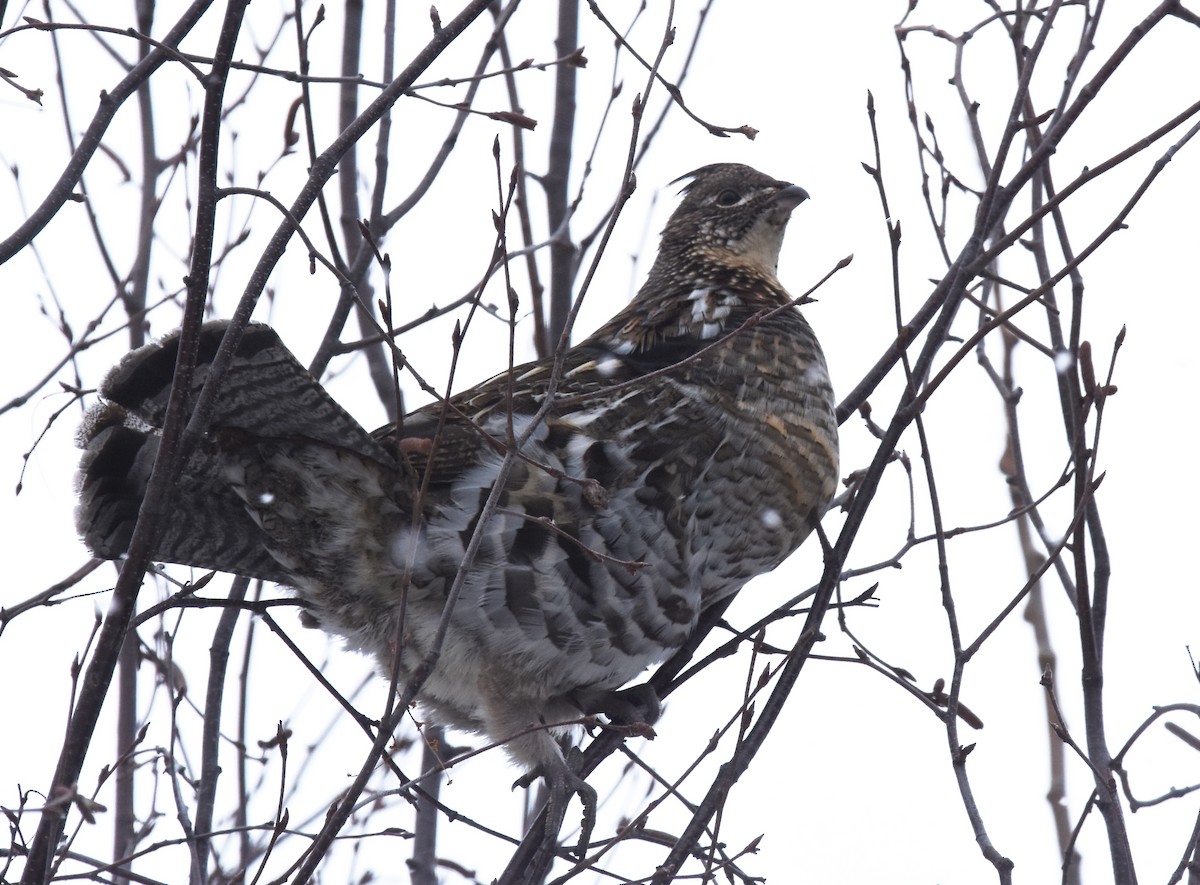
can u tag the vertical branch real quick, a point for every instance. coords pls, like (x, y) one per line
(1013, 468)
(348, 96)
(135, 300)
(1088, 597)
(240, 812)
(347, 180)
(423, 863)
(541, 337)
(124, 821)
(557, 179)
(348, 188)
(210, 765)
(135, 305)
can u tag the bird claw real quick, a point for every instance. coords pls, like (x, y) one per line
(562, 782)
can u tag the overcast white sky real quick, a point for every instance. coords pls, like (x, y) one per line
(855, 784)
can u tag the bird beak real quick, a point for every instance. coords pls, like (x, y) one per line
(790, 197)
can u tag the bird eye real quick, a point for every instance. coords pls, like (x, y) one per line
(728, 197)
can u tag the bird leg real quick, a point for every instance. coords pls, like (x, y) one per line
(560, 785)
(562, 781)
(638, 705)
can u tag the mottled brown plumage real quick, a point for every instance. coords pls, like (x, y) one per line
(693, 434)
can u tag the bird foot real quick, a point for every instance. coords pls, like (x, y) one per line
(629, 706)
(562, 782)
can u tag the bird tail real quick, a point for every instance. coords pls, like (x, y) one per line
(266, 395)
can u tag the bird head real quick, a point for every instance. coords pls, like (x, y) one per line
(731, 216)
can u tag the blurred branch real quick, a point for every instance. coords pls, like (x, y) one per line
(556, 181)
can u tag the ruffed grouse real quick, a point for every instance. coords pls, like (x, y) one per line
(693, 434)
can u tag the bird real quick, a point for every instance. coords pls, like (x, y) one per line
(686, 446)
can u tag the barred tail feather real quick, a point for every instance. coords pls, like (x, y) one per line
(267, 394)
